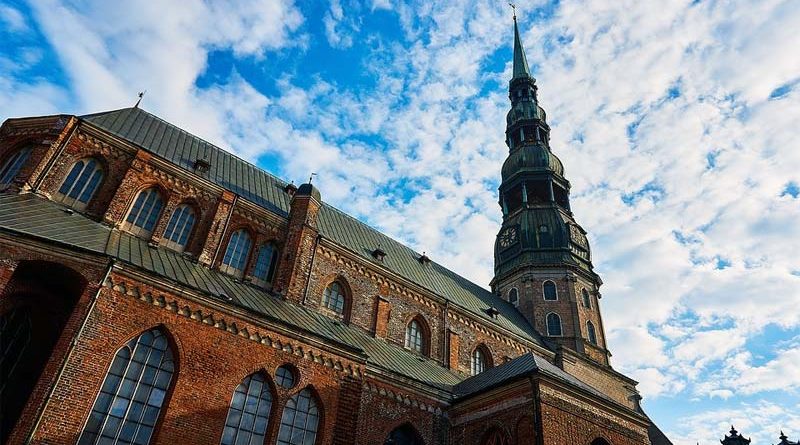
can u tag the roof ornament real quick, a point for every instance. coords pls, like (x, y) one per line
(141, 95)
(514, 8)
(311, 178)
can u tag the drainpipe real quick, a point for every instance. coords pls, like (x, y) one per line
(224, 230)
(311, 267)
(72, 345)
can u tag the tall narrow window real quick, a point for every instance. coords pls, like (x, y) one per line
(545, 237)
(554, 325)
(333, 298)
(179, 227)
(587, 301)
(144, 213)
(481, 360)
(591, 333)
(235, 259)
(415, 336)
(15, 336)
(81, 183)
(130, 400)
(12, 166)
(300, 420)
(549, 289)
(267, 259)
(248, 415)
(513, 296)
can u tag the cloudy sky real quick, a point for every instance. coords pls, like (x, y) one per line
(677, 122)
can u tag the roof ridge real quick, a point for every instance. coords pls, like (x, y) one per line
(180, 129)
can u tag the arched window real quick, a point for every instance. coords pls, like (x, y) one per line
(481, 360)
(591, 333)
(513, 296)
(333, 298)
(554, 325)
(495, 436)
(10, 169)
(299, 420)
(404, 434)
(600, 441)
(549, 290)
(130, 400)
(285, 376)
(248, 414)
(266, 261)
(179, 227)
(15, 336)
(587, 301)
(545, 237)
(235, 259)
(416, 336)
(81, 183)
(144, 213)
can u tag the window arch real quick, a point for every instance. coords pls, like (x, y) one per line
(545, 237)
(133, 391)
(334, 297)
(404, 434)
(495, 436)
(266, 263)
(248, 415)
(587, 300)
(144, 213)
(300, 420)
(600, 441)
(549, 290)
(179, 227)
(81, 183)
(513, 296)
(11, 167)
(417, 335)
(554, 325)
(235, 259)
(481, 360)
(591, 333)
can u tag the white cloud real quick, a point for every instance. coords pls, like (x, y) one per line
(13, 20)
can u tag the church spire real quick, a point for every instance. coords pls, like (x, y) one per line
(521, 69)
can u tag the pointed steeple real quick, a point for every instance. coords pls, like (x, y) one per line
(520, 62)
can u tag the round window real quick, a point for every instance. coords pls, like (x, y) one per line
(284, 376)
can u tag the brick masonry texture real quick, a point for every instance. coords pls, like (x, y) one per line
(217, 345)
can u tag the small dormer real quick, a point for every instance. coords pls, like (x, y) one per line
(423, 259)
(378, 254)
(201, 166)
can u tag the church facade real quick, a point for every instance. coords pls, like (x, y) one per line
(155, 289)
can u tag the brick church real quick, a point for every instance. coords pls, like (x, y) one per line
(156, 289)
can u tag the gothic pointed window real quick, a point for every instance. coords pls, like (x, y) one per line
(179, 227)
(248, 415)
(591, 333)
(495, 436)
(266, 262)
(416, 335)
(11, 167)
(300, 420)
(587, 301)
(81, 183)
(144, 213)
(133, 392)
(481, 360)
(513, 296)
(554, 325)
(235, 259)
(334, 298)
(549, 291)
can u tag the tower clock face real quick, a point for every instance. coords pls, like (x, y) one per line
(508, 237)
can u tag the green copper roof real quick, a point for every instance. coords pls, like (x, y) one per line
(36, 217)
(520, 62)
(182, 148)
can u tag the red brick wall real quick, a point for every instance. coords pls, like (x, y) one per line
(384, 408)
(509, 410)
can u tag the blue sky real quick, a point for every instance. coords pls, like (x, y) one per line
(677, 124)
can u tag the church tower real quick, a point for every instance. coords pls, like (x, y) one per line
(541, 255)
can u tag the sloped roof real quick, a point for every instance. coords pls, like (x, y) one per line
(254, 184)
(34, 216)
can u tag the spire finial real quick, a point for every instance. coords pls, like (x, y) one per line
(520, 61)
(141, 95)
(311, 178)
(514, 8)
